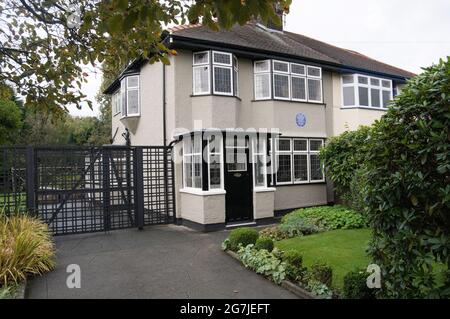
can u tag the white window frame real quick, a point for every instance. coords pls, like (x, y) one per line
(255, 159)
(198, 66)
(301, 152)
(283, 152)
(116, 103)
(311, 152)
(272, 72)
(222, 66)
(369, 86)
(235, 78)
(134, 88)
(221, 164)
(192, 154)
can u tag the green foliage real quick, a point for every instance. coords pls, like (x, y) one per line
(263, 262)
(46, 55)
(243, 236)
(408, 185)
(297, 225)
(321, 272)
(264, 243)
(226, 244)
(26, 248)
(343, 157)
(320, 289)
(10, 121)
(325, 218)
(273, 232)
(294, 265)
(355, 285)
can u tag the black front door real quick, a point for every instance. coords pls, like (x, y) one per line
(238, 183)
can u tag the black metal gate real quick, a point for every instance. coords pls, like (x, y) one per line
(89, 189)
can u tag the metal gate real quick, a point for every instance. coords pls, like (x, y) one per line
(89, 189)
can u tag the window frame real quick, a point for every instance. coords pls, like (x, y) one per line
(283, 152)
(255, 155)
(222, 176)
(290, 75)
(315, 152)
(198, 66)
(191, 139)
(301, 152)
(355, 85)
(135, 88)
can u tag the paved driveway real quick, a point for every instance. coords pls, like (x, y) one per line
(158, 262)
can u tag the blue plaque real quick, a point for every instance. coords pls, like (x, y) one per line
(300, 119)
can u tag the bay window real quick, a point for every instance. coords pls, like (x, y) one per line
(297, 161)
(364, 91)
(287, 81)
(129, 96)
(221, 67)
(194, 165)
(259, 146)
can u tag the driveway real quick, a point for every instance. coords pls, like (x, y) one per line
(158, 262)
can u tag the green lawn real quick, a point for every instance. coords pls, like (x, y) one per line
(343, 250)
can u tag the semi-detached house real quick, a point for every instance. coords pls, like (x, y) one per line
(247, 110)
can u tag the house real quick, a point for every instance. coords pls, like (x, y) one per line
(247, 110)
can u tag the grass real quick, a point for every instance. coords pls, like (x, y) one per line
(343, 250)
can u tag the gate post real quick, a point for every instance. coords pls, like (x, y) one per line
(139, 186)
(30, 180)
(106, 187)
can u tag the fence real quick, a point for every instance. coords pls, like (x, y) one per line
(88, 189)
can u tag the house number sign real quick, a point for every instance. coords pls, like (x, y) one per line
(300, 119)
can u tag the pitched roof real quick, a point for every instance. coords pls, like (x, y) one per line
(254, 36)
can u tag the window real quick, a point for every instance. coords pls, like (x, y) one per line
(128, 102)
(259, 162)
(298, 161)
(115, 103)
(364, 91)
(215, 160)
(224, 73)
(236, 156)
(287, 81)
(194, 165)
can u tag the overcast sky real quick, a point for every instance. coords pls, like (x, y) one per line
(408, 34)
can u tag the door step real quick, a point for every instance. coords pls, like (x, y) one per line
(239, 224)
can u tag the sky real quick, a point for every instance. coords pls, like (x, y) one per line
(408, 34)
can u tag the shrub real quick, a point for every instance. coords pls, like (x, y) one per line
(294, 265)
(26, 248)
(263, 262)
(244, 236)
(408, 189)
(355, 286)
(297, 226)
(320, 289)
(264, 243)
(273, 232)
(321, 272)
(343, 156)
(326, 217)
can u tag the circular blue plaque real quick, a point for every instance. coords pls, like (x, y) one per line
(300, 119)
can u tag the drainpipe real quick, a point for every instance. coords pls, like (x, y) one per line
(164, 104)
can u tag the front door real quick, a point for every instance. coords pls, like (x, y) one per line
(238, 181)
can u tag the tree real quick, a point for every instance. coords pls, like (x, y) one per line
(44, 44)
(10, 121)
(408, 187)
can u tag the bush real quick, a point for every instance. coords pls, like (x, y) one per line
(294, 265)
(355, 286)
(273, 232)
(322, 273)
(326, 218)
(264, 243)
(244, 236)
(297, 226)
(408, 189)
(26, 248)
(263, 262)
(343, 156)
(320, 289)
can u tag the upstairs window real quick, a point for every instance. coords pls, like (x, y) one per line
(364, 91)
(282, 80)
(115, 103)
(221, 67)
(129, 96)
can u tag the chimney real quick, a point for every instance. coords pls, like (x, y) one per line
(280, 13)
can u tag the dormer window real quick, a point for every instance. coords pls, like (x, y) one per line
(221, 67)
(283, 80)
(129, 96)
(365, 91)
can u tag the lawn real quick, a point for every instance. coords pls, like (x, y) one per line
(343, 250)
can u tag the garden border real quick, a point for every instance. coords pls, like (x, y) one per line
(285, 284)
